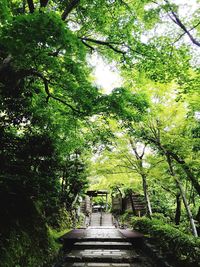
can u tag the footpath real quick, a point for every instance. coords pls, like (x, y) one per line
(103, 245)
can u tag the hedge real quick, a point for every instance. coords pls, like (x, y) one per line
(185, 248)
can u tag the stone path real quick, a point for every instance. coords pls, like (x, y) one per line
(107, 220)
(102, 245)
(101, 220)
(95, 219)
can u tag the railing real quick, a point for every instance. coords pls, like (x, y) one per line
(101, 218)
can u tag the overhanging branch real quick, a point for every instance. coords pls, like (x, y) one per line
(114, 46)
(72, 4)
(46, 87)
(175, 18)
(105, 43)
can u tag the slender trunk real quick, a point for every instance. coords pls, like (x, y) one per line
(178, 209)
(31, 6)
(194, 230)
(132, 204)
(74, 211)
(75, 200)
(23, 6)
(187, 171)
(189, 213)
(62, 184)
(145, 189)
(192, 196)
(198, 216)
(43, 3)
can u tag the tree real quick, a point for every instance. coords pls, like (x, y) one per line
(52, 116)
(161, 134)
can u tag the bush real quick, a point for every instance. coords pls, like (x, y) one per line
(125, 218)
(24, 236)
(60, 220)
(161, 217)
(28, 247)
(185, 248)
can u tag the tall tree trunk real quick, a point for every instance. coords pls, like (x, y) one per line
(146, 195)
(63, 183)
(43, 3)
(189, 213)
(31, 6)
(178, 209)
(131, 200)
(198, 215)
(194, 230)
(190, 175)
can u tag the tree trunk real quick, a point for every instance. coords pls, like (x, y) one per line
(189, 213)
(178, 209)
(72, 4)
(132, 204)
(31, 6)
(43, 3)
(187, 171)
(145, 189)
(194, 230)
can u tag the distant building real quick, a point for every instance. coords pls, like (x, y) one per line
(133, 202)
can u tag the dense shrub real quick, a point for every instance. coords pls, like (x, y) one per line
(125, 218)
(25, 238)
(30, 249)
(185, 248)
(60, 220)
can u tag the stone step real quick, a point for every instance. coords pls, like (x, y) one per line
(100, 245)
(91, 239)
(101, 227)
(100, 264)
(103, 256)
(104, 260)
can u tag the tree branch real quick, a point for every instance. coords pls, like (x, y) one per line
(127, 167)
(118, 172)
(182, 26)
(72, 4)
(112, 45)
(181, 35)
(178, 22)
(168, 190)
(89, 46)
(108, 44)
(46, 87)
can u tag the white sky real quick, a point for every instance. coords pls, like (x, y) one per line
(106, 74)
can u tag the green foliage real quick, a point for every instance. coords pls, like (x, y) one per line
(127, 105)
(125, 219)
(4, 10)
(59, 221)
(25, 239)
(185, 248)
(23, 249)
(52, 116)
(17, 38)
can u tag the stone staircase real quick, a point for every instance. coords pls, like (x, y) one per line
(105, 253)
(103, 246)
